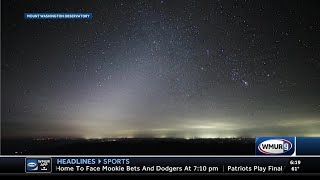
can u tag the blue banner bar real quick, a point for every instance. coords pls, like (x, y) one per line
(36, 16)
(308, 146)
(165, 164)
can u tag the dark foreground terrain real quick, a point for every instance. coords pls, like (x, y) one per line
(136, 146)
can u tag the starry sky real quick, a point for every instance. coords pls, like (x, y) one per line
(161, 68)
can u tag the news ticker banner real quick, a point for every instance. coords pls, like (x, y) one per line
(163, 164)
(276, 155)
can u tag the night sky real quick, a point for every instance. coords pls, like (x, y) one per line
(161, 68)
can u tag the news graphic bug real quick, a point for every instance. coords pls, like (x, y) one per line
(275, 146)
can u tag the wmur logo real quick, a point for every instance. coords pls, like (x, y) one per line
(32, 165)
(275, 145)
